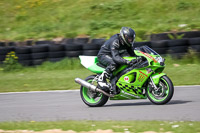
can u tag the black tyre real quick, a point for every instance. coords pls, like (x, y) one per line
(195, 48)
(29, 42)
(91, 47)
(5, 50)
(2, 44)
(11, 44)
(164, 93)
(56, 54)
(139, 44)
(159, 44)
(24, 56)
(178, 42)
(39, 55)
(39, 48)
(161, 50)
(178, 49)
(91, 98)
(55, 48)
(81, 40)
(23, 50)
(194, 41)
(73, 47)
(100, 41)
(190, 34)
(43, 42)
(90, 52)
(67, 41)
(73, 53)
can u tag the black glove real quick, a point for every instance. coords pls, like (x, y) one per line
(139, 59)
(132, 62)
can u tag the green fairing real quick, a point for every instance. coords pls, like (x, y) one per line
(156, 77)
(134, 84)
(96, 69)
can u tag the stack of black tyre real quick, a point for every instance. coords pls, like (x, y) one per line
(139, 44)
(24, 55)
(3, 52)
(165, 36)
(56, 52)
(178, 48)
(2, 44)
(39, 54)
(92, 48)
(82, 46)
(73, 48)
(195, 44)
(161, 47)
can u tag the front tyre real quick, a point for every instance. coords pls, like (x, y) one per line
(164, 93)
(91, 98)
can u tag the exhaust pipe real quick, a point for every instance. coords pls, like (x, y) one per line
(90, 86)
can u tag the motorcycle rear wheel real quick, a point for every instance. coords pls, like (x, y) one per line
(91, 98)
(165, 92)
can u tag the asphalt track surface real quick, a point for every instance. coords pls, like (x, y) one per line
(67, 105)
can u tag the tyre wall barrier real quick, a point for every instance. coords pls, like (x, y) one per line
(166, 36)
(40, 52)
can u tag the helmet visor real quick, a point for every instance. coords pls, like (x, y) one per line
(129, 39)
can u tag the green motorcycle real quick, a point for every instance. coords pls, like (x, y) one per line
(142, 80)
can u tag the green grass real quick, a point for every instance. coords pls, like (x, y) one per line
(187, 74)
(36, 19)
(61, 75)
(41, 80)
(183, 71)
(49, 76)
(116, 126)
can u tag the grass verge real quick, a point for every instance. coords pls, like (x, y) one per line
(116, 126)
(41, 80)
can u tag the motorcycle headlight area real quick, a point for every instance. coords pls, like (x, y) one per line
(160, 60)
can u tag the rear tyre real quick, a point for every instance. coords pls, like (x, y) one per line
(91, 98)
(164, 93)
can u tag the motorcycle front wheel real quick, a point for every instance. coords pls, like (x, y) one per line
(91, 98)
(164, 93)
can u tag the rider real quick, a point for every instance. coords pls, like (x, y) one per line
(110, 53)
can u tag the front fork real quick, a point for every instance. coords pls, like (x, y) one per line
(154, 80)
(153, 85)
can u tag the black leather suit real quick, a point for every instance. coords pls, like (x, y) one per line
(111, 52)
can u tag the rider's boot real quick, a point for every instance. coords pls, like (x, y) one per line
(102, 81)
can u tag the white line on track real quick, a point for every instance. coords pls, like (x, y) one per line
(188, 86)
(27, 92)
(61, 91)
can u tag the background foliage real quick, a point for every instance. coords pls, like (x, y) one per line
(70, 18)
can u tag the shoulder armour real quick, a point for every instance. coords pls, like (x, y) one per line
(116, 43)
